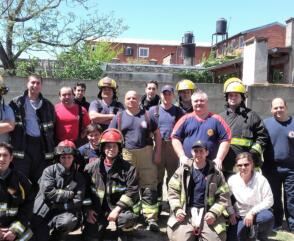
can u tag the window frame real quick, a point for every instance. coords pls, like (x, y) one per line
(147, 52)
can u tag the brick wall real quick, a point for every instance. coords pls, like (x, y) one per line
(159, 52)
(275, 35)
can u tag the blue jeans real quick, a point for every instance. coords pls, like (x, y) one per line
(264, 222)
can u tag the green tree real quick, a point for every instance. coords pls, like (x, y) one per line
(84, 62)
(33, 24)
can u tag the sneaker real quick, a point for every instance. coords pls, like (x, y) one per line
(152, 226)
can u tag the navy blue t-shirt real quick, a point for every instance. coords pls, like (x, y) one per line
(198, 186)
(100, 107)
(136, 129)
(282, 140)
(213, 130)
(166, 119)
(88, 153)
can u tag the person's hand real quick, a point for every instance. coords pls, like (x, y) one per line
(248, 220)
(233, 218)
(180, 215)
(7, 235)
(219, 163)
(209, 218)
(184, 160)
(91, 216)
(113, 214)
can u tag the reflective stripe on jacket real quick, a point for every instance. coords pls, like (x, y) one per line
(216, 194)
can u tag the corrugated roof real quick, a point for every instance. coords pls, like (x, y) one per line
(262, 27)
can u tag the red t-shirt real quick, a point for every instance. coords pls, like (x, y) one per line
(67, 121)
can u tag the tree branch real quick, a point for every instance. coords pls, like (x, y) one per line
(9, 4)
(37, 13)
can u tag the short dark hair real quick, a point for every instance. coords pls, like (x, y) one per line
(114, 97)
(39, 77)
(7, 146)
(83, 85)
(152, 82)
(93, 127)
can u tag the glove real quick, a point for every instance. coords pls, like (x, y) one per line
(69, 194)
(256, 157)
(126, 220)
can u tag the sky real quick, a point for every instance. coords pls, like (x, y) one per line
(169, 20)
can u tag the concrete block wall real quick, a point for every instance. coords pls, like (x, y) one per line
(259, 96)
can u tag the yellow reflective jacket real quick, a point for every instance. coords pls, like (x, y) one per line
(217, 193)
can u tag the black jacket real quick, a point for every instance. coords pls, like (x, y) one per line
(244, 123)
(83, 103)
(146, 104)
(46, 119)
(60, 191)
(118, 187)
(16, 198)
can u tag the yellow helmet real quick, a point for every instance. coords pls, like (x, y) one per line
(185, 84)
(107, 82)
(234, 85)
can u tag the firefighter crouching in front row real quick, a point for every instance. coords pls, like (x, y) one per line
(58, 205)
(16, 199)
(113, 189)
(248, 131)
(198, 196)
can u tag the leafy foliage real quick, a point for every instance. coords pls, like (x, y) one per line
(26, 67)
(30, 25)
(213, 61)
(77, 64)
(84, 62)
(200, 76)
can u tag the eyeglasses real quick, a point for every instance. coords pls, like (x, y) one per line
(241, 165)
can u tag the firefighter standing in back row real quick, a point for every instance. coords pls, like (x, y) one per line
(248, 131)
(185, 90)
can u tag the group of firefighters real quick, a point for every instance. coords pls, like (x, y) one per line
(80, 164)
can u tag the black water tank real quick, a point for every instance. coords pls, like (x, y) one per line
(188, 38)
(188, 50)
(221, 26)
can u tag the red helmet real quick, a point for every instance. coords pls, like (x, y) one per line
(111, 135)
(65, 147)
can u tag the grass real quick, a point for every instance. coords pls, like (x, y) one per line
(282, 236)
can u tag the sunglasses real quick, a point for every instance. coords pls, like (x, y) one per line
(241, 165)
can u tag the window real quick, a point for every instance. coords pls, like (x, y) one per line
(143, 52)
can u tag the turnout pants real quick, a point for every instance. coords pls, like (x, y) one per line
(94, 232)
(59, 225)
(142, 159)
(185, 232)
(169, 162)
